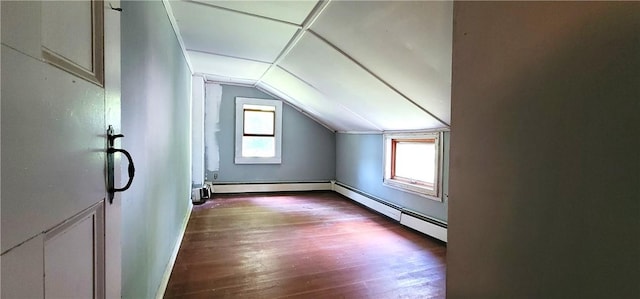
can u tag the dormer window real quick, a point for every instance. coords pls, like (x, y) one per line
(412, 163)
(258, 131)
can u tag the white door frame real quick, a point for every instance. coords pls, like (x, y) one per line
(113, 248)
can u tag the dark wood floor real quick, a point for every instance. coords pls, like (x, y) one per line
(302, 245)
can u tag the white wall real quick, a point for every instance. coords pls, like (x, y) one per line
(197, 132)
(545, 171)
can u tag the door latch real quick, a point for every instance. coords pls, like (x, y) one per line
(111, 150)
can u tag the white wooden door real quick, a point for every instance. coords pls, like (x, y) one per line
(60, 91)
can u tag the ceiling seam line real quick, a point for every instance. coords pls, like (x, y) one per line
(308, 21)
(315, 13)
(287, 48)
(243, 13)
(228, 56)
(300, 110)
(339, 104)
(377, 77)
(361, 132)
(299, 78)
(314, 118)
(176, 31)
(206, 80)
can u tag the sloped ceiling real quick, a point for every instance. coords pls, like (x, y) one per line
(351, 65)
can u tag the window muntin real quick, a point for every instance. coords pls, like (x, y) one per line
(258, 131)
(412, 163)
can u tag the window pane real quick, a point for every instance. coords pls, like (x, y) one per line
(258, 147)
(416, 161)
(259, 122)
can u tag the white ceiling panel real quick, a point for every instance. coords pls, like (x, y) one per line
(278, 94)
(341, 80)
(406, 43)
(289, 11)
(362, 66)
(209, 29)
(227, 68)
(314, 102)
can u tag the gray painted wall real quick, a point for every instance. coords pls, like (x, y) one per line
(545, 170)
(360, 164)
(155, 120)
(308, 148)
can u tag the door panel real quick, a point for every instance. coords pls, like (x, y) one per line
(73, 262)
(53, 152)
(22, 270)
(52, 145)
(56, 34)
(19, 31)
(72, 37)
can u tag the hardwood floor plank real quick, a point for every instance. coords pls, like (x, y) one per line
(303, 245)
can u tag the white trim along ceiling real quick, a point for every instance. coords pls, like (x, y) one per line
(353, 66)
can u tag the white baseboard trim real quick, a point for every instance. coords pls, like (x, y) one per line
(370, 203)
(424, 227)
(273, 187)
(172, 260)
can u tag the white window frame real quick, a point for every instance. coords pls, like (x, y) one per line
(435, 193)
(239, 159)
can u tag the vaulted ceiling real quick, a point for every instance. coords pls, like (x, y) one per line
(351, 65)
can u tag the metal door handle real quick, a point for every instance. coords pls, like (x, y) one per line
(110, 165)
(131, 169)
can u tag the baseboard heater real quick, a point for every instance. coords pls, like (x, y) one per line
(412, 219)
(424, 224)
(379, 205)
(271, 187)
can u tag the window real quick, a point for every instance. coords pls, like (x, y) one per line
(258, 131)
(412, 163)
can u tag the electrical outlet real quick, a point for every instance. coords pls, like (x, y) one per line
(215, 175)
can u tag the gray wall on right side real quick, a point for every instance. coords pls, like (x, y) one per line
(545, 165)
(360, 164)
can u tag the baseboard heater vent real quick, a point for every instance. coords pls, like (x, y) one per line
(381, 206)
(420, 222)
(271, 187)
(424, 224)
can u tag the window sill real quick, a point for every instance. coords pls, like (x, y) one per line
(254, 160)
(413, 189)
